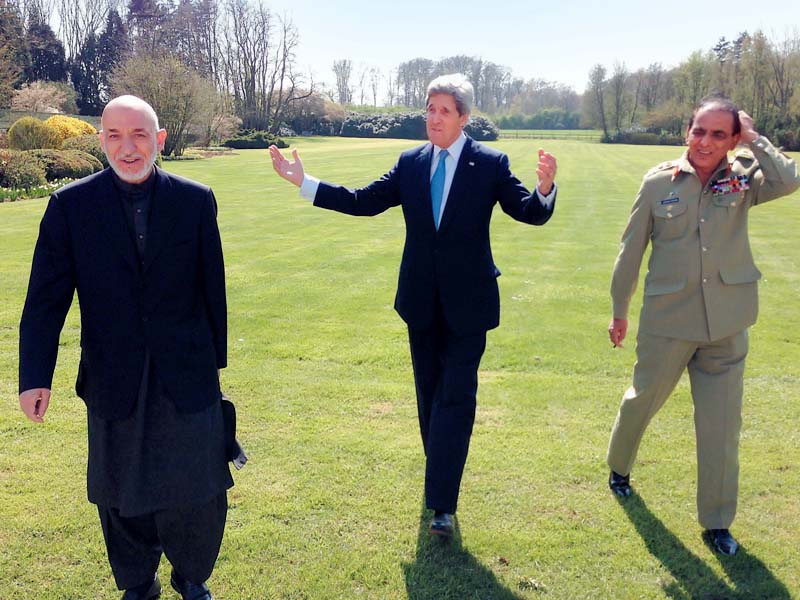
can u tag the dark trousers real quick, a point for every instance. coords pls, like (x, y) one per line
(190, 537)
(446, 378)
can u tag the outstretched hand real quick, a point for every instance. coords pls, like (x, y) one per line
(291, 171)
(546, 171)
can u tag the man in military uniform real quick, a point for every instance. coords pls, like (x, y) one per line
(700, 297)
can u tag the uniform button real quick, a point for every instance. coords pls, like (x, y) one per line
(669, 215)
(705, 192)
(705, 280)
(705, 249)
(702, 220)
(141, 237)
(733, 203)
(139, 211)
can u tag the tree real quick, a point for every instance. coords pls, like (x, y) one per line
(41, 97)
(48, 61)
(374, 83)
(14, 56)
(258, 58)
(595, 96)
(617, 85)
(175, 92)
(86, 77)
(78, 20)
(343, 69)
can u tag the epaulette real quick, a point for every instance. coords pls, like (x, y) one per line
(745, 153)
(665, 166)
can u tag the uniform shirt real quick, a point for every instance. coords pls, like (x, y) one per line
(701, 283)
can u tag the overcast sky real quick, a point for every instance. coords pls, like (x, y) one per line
(556, 41)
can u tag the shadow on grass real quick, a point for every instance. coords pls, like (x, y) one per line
(694, 578)
(444, 570)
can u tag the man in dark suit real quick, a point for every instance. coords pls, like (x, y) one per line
(447, 291)
(142, 249)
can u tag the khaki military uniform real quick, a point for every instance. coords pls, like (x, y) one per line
(700, 296)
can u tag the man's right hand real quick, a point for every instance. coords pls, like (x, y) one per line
(34, 403)
(290, 171)
(617, 330)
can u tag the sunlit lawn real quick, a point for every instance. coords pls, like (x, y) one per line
(330, 505)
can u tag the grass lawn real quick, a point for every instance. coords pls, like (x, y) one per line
(330, 506)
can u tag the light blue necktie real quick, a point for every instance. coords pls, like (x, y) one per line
(437, 187)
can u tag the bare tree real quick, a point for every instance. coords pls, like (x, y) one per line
(374, 82)
(258, 58)
(617, 84)
(343, 69)
(78, 19)
(595, 95)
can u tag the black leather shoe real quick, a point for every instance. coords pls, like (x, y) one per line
(189, 590)
(442, 525)
(146, 591)
(620, 484)
(722, 541)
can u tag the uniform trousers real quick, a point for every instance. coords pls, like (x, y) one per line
(190, 536)
(716, 373)
(446, 378)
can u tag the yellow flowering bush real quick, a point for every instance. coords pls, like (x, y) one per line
(69, 127)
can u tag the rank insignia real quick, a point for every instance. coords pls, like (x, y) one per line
(730, 185)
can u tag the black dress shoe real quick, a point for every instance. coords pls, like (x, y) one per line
(620, 484)
(442, 525)
(723, 541)
(146, 591)
(189, 590)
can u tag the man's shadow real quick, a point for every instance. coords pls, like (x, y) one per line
(444, 570)
(693, 578)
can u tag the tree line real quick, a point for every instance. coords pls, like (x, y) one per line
(761, 75)
(212, 66)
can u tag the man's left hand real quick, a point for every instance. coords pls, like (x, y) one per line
(546, 171)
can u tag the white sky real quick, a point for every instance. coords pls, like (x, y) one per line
(558, 40)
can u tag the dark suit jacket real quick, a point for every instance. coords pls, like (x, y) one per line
(456, 261)
(172, 303)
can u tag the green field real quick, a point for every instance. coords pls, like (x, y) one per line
(330, 506)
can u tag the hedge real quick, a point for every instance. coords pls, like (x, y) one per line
(72, 164)
(89, 144)
(251, 138)
(29, 133)
(20, 170)
(409, 126)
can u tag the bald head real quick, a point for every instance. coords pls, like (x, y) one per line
(128, 103)
(130, 137)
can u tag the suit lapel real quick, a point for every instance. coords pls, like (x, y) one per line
(110, 218)
(460, 185)
(164, 213)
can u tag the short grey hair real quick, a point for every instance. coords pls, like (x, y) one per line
(458, 87)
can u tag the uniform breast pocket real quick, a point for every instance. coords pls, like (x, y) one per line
(670, 221)
(729, 202)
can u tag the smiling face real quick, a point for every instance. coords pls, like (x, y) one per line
(709, 139)
(443, 123)
(130, 139)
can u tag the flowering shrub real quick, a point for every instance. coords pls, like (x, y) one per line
(69, 127)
